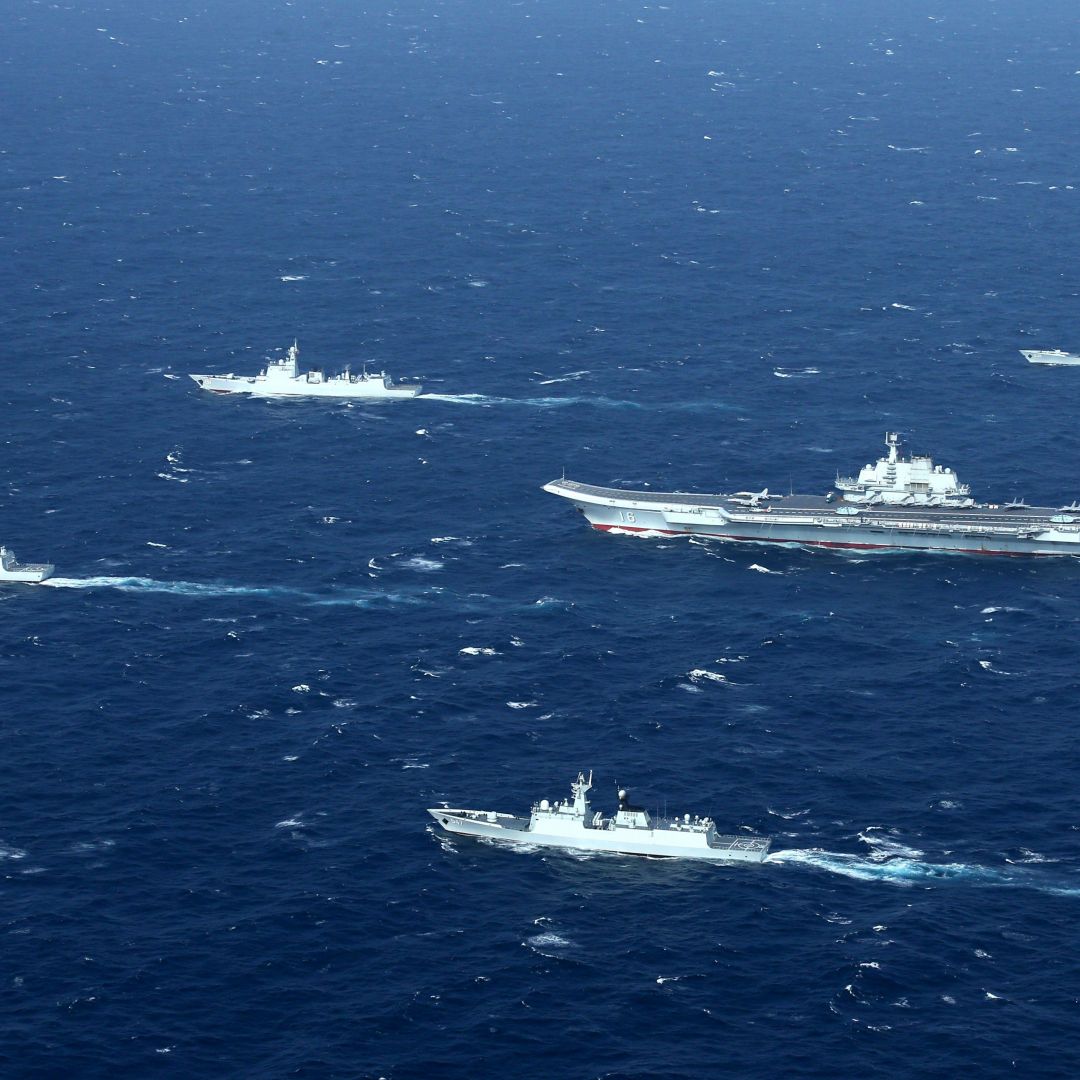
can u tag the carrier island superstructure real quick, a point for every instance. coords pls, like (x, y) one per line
(899, 503)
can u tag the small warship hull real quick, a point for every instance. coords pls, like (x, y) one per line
(11, 570)
(337, 389)
(1051, 357)
(27, 575)
(664, 840)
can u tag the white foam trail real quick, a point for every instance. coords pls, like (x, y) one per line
(210, 590)
(570, 376)
(907, 872)
(882, 847)
(597, 401)
(183, 588)
(540, 402)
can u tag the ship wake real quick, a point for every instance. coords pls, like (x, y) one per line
(905, 871)
(213, 590)
(595, 400)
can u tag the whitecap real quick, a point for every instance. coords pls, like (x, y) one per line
(795, 373)
(986, 665)
(712, 676)
(476, 650)
(764, 569)
(418, 562)
(523, 704)
(92, 847)
(548, 940)
(884, 847)
(570, 376)
(1029, 856)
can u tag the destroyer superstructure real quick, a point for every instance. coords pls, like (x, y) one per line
(905, 503)
(631, 831)
(283, 378)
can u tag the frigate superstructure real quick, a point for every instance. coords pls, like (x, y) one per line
(630, 831)
(29, 573)
(1053, 357)
(283, 378)
(899, 503)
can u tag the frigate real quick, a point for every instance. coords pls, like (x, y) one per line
(631, 831)
(12, 570)
(283, 378)
(1054, 357)
(900, 503)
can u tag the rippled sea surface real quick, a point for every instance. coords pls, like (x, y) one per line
(708, 246)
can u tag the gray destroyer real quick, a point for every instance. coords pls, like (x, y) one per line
(283, 378)
(901, 503)
(631, 831)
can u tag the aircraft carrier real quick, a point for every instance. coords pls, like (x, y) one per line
(899, 503)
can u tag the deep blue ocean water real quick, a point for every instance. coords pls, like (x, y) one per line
(700, 245)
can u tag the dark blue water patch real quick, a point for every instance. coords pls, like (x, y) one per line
(692, 248)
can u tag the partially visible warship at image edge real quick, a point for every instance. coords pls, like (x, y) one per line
(630, 832)
(900, 503)
(1052, 357)
(27, 573)
(283, 378)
